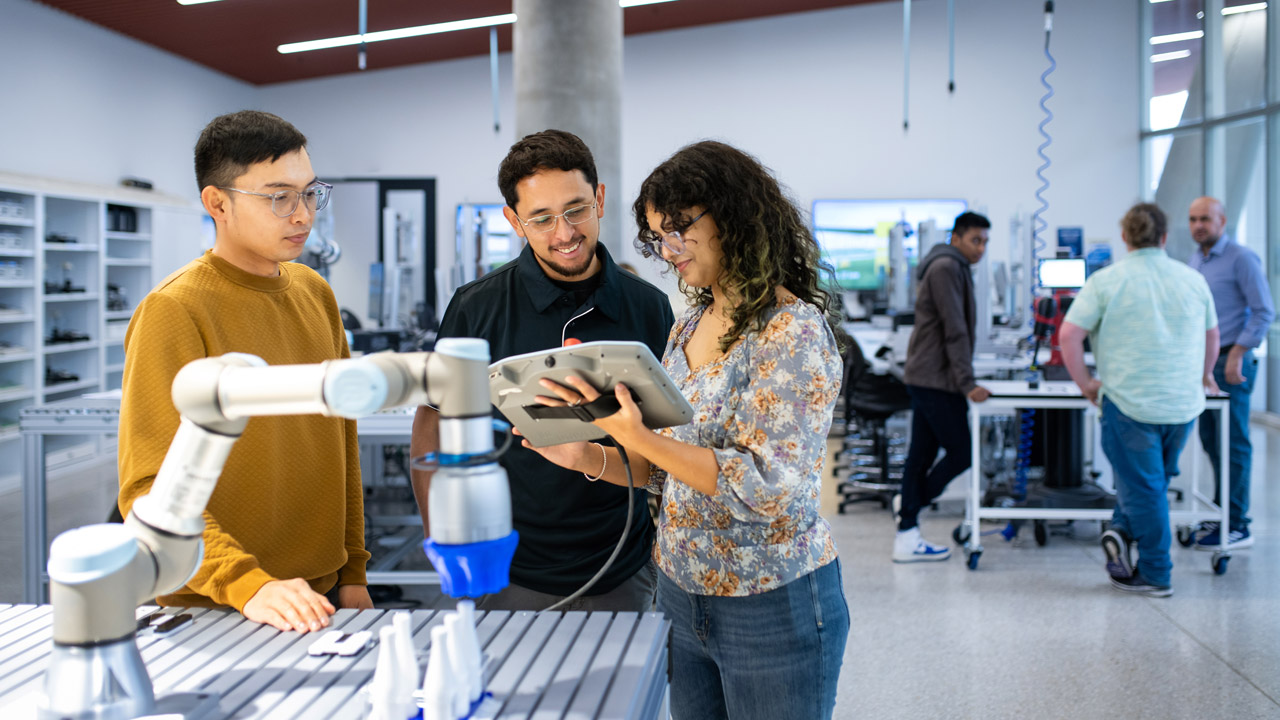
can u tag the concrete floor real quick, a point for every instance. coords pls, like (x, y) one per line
(1034, 632)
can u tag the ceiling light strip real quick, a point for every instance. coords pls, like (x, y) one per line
(398, 34)
(1177, 37)
(1175, 55)
(434, 29)
(1244, 8)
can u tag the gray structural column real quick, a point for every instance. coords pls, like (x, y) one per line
(568, 76)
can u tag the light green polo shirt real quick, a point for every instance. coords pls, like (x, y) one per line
(1147, 316)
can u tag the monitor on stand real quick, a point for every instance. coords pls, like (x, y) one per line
(1061, 273)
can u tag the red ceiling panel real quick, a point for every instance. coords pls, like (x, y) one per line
(239, 37)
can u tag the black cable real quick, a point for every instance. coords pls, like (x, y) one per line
(1048, 22)
(626, 530)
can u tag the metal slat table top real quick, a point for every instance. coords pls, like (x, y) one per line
(554, 665)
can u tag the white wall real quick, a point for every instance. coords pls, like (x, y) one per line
(431, 120)
(356, 216)
(87, 104)
(816, 96)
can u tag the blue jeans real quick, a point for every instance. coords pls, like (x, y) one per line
(1143, 457)
(939, 420)
(1240, 449)
(767, 656)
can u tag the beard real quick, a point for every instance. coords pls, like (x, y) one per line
(568, 268)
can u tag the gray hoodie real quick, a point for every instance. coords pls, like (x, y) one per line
(940, 354)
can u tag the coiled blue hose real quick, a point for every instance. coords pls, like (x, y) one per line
(1038, 223)
(1038, 226)
(1024, 453)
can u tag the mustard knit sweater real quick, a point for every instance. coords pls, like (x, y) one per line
(289, 503)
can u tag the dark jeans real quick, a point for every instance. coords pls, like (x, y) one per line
(1240, 449)
(1143, 456)
(770, 656)
(939, 419)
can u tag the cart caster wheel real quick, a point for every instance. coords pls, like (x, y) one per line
(1042, 533)
(1220, 563)
(1185, 536)
(961, 534)
(973, 560)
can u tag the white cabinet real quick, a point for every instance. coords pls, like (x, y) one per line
(19, 307)
(70, 288)
(74, 263)
(128, 275)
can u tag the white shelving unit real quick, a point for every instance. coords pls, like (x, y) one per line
(74, 262)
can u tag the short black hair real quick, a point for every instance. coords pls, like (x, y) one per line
(967, 220)
(233, 142)
(546, 150)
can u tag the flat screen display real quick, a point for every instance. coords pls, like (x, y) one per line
(854, 234)
(1062, 273)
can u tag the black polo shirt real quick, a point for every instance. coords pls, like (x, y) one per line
(568, 526)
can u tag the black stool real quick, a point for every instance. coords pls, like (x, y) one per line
(868, 466)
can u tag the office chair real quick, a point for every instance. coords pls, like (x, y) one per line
(869, 465)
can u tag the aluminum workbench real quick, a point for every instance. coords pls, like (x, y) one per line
(1010, 395)
(77, 416)
(571, 665)
(101, 416)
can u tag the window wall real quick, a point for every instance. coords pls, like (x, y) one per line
(1211, 126)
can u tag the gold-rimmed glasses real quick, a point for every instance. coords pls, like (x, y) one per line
(546, 223)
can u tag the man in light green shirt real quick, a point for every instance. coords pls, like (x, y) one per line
(1154, 333)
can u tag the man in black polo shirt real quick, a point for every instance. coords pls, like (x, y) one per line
(563, 286)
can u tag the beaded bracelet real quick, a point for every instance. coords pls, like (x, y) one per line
(605, 455)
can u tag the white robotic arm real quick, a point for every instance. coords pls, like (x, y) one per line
(100, 573)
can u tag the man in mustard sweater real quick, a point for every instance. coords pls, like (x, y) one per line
(284, 529)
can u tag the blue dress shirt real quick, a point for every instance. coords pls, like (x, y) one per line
(1240, 292)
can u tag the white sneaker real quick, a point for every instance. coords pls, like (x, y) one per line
(909, 547)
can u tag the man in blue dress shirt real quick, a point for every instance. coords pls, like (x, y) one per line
(1239, 286)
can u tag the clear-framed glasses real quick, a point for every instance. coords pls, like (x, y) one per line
(673, 241)
(285, 202)
(547, 223)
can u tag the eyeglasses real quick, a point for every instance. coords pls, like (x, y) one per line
(547, 223)
(285, 202)
(673, 241)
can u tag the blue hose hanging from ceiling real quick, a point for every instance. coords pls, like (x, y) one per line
(1038, 223)
(1038, 226)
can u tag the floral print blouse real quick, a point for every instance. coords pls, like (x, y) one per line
(764, 407)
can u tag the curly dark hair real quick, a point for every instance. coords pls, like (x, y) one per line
(763, 237)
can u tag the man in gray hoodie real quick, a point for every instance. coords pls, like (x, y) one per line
(939, 376)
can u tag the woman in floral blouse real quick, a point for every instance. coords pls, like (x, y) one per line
(750, 578)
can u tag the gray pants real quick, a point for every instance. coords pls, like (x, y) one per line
(635, 594)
